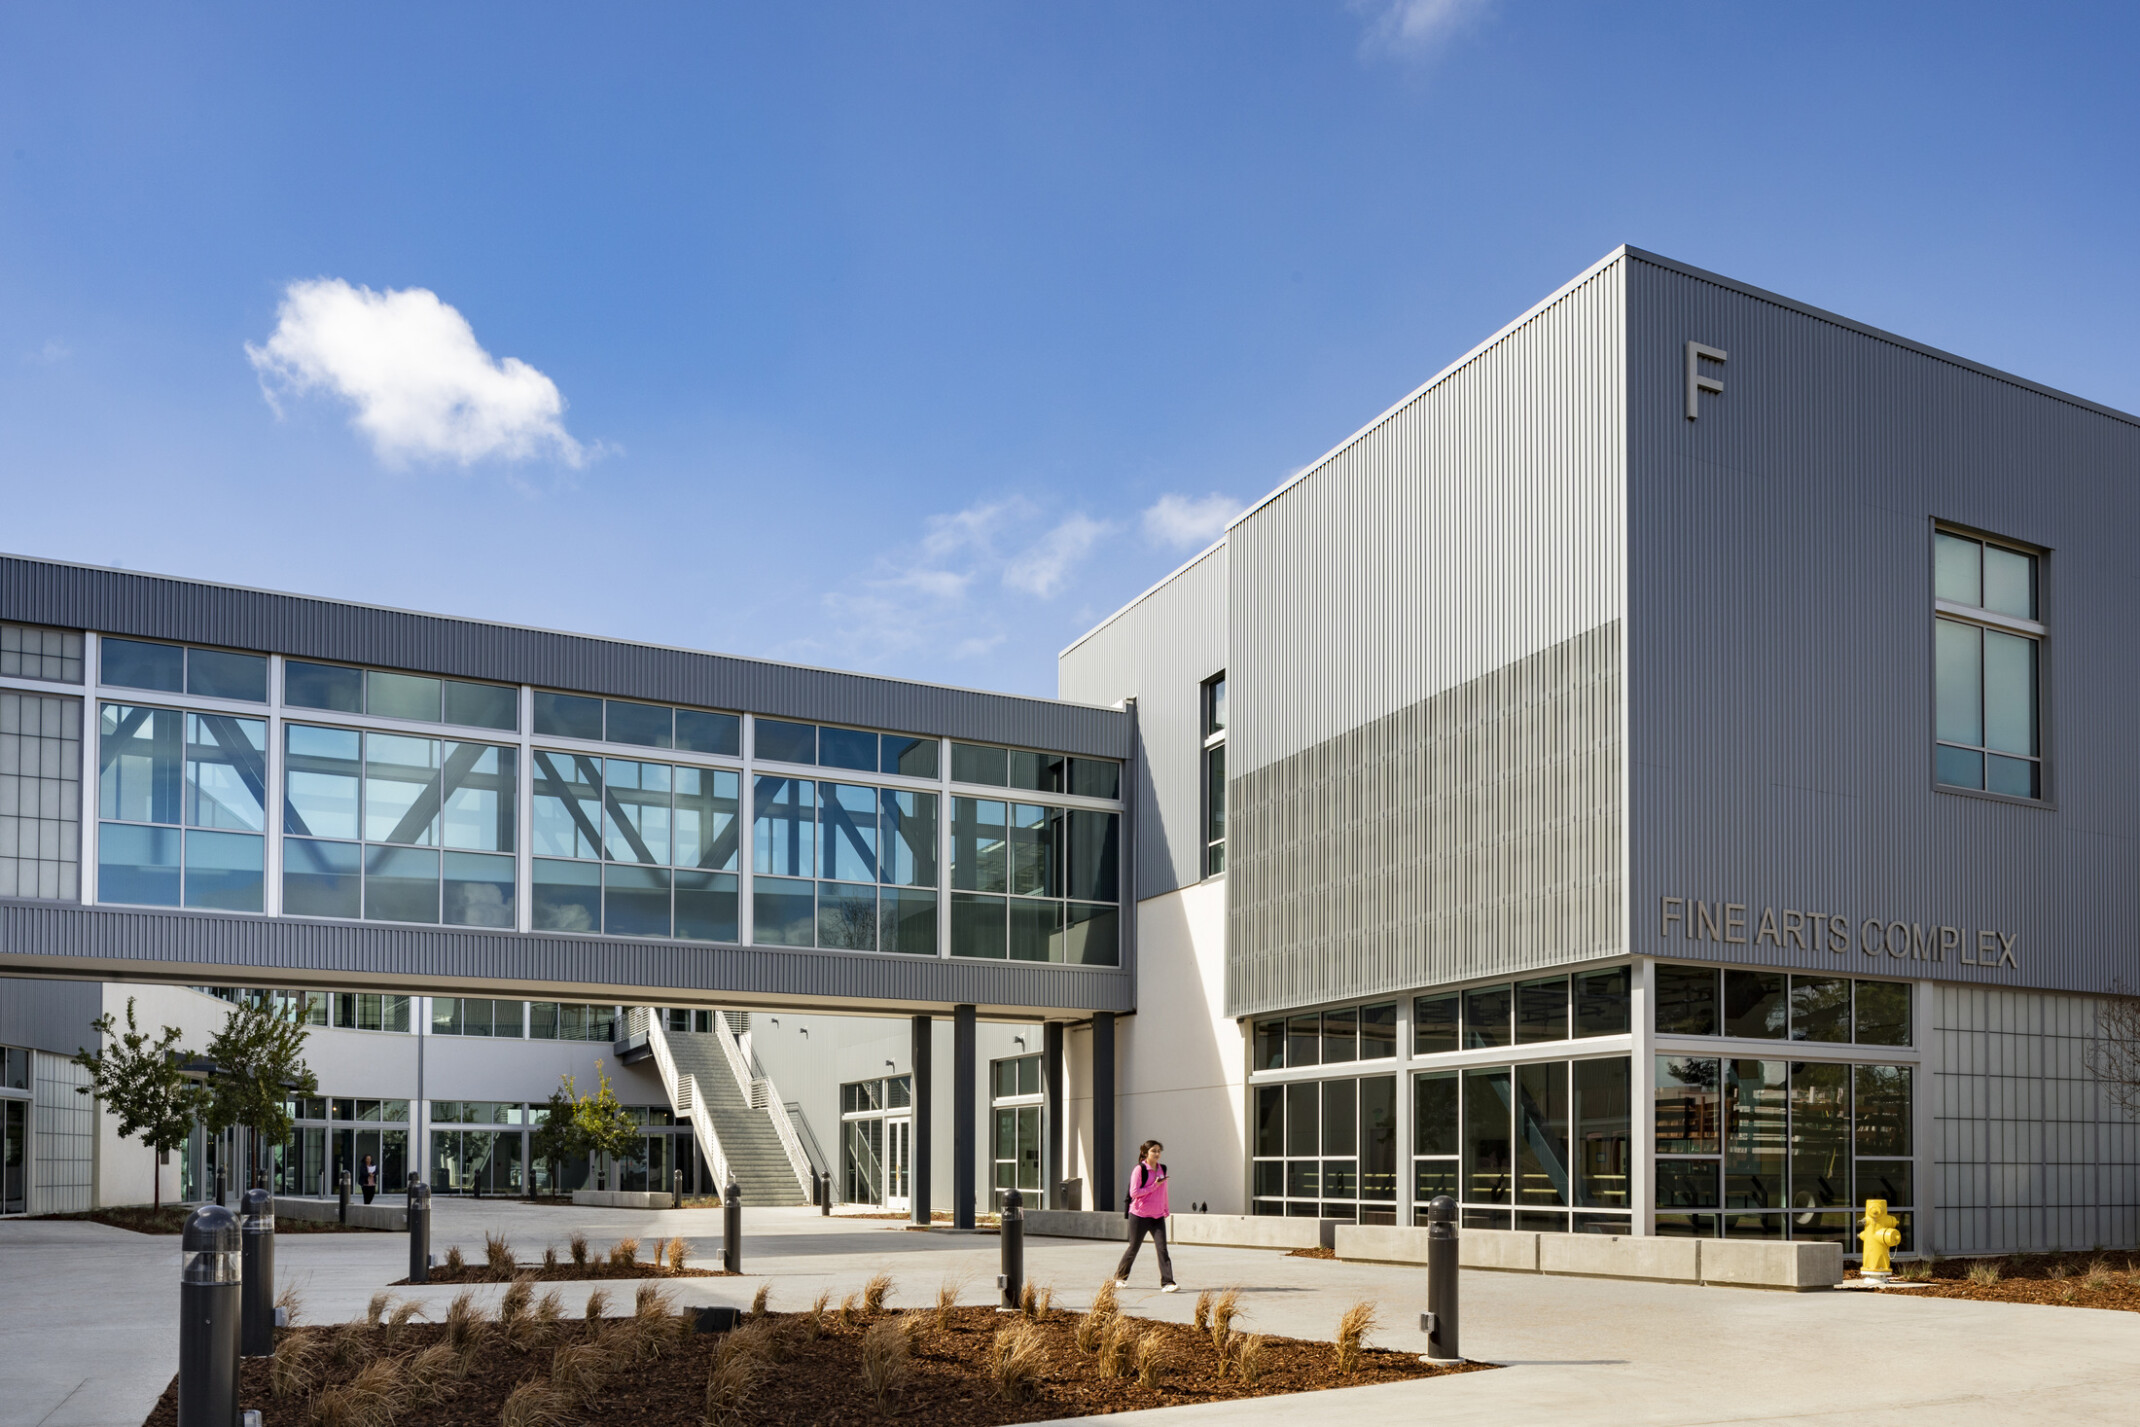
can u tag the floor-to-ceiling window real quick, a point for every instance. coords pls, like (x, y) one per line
(1015, 1128)
(876, 1139)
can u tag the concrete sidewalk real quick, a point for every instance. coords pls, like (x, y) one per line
(92, 1335)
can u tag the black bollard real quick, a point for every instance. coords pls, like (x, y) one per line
(676, 1192)
(824, 1195)
(208, 1312)
(419, 1231)
(1012, 1279)
(732, 1228)
(219, 1189)
(817, 1191)
(345, 1196)
(257, 1230)
(1440, 1319)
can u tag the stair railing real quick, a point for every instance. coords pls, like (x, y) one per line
(759, 1093)
(684, 1096)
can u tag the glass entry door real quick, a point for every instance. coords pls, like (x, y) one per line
(14, 1156)
(898, 1162)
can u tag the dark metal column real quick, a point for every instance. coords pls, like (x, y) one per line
(1103, 1111)
(963, 1117)
(924, 1129)
(1051, 1116)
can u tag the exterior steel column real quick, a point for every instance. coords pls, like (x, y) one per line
(1051, 1115)
(923, 1130)
(1103, 1111)
(963, 1073)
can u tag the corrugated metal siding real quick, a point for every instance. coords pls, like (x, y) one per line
(1159, 651)
(48, 1015)
(1425, 747)
(112, 942)
(1780, 628)
(159, 607)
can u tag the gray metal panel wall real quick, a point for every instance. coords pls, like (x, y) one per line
(1467, 544)
(1780, 632)
(1158, 651)
(160, 607)
(50, 1015)
(114, 943)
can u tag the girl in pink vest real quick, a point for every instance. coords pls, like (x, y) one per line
(1148, 1215)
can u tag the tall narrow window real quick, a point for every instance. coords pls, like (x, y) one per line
(1214, 726)
(1987, 658)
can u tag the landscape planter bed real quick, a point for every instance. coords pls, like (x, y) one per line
(564, 1271)
(658, 1372)
(2090, 1280)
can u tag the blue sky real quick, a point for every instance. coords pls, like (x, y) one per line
(915, 339)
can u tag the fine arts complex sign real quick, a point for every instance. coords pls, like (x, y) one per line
(1739, 924)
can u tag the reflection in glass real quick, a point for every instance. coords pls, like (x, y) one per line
(226, 772)
(137, 864)
(1887, 1179)
(567, 896)
(1270, 1045)
(847, 915)
(1092, 933)
(1378, 1031)
(1039, 772)
(1883, 1013)
(1036, 930)
(1542, 1134)
(784, 827)
(481, 790)
(907, 921)
(1304, 1040)
(635, 900)
(321, 879)
(778, 742)
(133, 664)
(1341, 1117)
(1820, 1136)
(1434, 1120)
(706, 818)
(1883, 1110)
(140, 761)
(979, 845)
(635, 803)
(1603, 1133)
(1303, 1118)
(479, 890)
(1755, 1096)
(1601, 1002)
(706, 905)
(1542, 1010)
(568, 716)
(401, 791)
(847, 833)
(482, 705)
(1686, 1184)
(1095, 777)
(224, 871)
(322, 686)
(400, 884)
(1090, 875)
(1269, 1128)
(913, 757)
(1686, 1000)
(978, 763)
(1033, 833)
(648, 725)
(783, 912)
(978, 926)
(1820, 1008)
(1487, 1158)
(847, 748)
(1756, 1004)
(907, 849)
(1341, 1035)
(407, 696)
(1434, 1024)
(699, 732)
(1486, 1017)
(219, 674)
(321, 782)
(1688, 1105)
(1432, 1178)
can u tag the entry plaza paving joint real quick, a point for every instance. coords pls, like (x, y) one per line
(100, 1340)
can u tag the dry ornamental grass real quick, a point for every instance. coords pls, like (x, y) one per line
(1014, 1362)
(1116, 1340)
(1353, 1328)
(875, 1292)
(886, 1362)
(758, 1300)
(679, 1251)
(498, 1253)
(1224, 1309)
(578, 1246)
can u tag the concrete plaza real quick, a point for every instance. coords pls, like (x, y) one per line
(92, 1331)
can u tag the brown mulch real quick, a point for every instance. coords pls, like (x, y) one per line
(820, 1380)
(172, 1220)
(1315, 1253)
(2090, 1280)
(565, 1271)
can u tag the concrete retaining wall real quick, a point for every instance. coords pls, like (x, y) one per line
(393, 1218)
(1738, 1263)
(622, 1199)
(1077, 1224)
(1252, 1231)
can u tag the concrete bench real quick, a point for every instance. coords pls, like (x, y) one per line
(392, 1217)
(1738, 1263)
(623, 1199)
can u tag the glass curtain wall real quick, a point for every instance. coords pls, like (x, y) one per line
(181, 804)
(843, 865)
(1033, 883)
(633, 848)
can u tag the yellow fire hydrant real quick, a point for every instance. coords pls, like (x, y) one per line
(1878, 1236)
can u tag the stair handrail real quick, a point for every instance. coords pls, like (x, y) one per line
(685, 1098)
(759, 1092)
(804, 1132)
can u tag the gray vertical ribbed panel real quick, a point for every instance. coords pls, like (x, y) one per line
(1426, 741)
(1158, 651)
(1779, 645)
(161, 607)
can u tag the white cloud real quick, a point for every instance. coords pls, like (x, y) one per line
(1413, 27)
(422, 386)
(1189, 522)
(51, 354)
(1043, 566)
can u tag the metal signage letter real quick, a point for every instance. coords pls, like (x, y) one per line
(1696, 382)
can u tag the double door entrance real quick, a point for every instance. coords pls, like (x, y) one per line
(878, 1155)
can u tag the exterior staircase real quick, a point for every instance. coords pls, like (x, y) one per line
(741, 1125)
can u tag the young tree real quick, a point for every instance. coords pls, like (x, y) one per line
(606, 1127)
(556, 1137)
(139, 1079)
(259, 1063)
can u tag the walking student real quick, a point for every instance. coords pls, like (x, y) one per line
(1148, 1215)
(368, 1177)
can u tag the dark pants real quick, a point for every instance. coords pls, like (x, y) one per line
(370, 1188)
(1139, 1226)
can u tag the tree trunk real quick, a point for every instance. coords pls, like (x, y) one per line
(156, 1178)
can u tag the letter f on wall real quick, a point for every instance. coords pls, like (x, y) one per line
(1696, 382)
